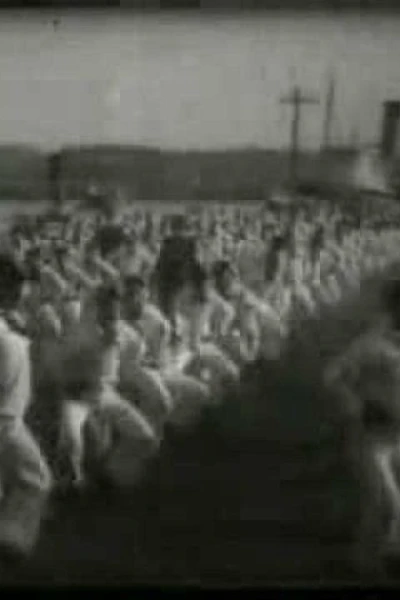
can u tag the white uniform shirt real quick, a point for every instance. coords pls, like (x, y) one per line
(132, 348)
(251, 261)
(155, 330)
(220, 314)
(140, 263)
(271, 329)
(15, 373)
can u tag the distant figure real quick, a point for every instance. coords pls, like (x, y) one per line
(178, 256)
(147, 319)
(317, 243)
(273, 257)
(109, 238)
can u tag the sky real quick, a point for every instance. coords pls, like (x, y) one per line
(191, 82)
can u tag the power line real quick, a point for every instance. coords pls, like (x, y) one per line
(327, 126)
(296, 99)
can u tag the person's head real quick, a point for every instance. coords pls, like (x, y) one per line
(134, 297)
(12, 281)
(225, 278)
(391, 302)
(34, 256)
(131, 243)
(178, 225)
(278, 243)
(108, 305)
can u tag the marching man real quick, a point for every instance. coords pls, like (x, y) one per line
(24, 475)
(104, 432)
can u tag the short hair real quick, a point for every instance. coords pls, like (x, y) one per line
(106, 293)
(220, 267)
(34, 253)
(178, 223)
(278, 242)
(134, 280)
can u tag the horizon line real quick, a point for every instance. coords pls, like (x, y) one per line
(45, 149)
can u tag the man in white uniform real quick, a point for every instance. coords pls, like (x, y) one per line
(147, 319)
(108, 347)
(208, 361)
(250, 263)
(231, 330)
(187, 395)
(24, 475)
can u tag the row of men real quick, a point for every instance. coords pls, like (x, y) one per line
(104, 368)
(111, 354)
(256, 255)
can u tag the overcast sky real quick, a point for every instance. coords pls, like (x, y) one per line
(190, 82)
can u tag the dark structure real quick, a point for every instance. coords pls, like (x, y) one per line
(54, 171)
(390, 128)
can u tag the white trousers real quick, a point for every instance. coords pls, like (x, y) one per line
(210, 365)
(21, 461)
(190, 397)
(145, 388)
(26, 482)
(108, 436)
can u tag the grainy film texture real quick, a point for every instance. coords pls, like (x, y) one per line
(200, 295)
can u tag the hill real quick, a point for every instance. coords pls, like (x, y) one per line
(23, 173)
(244, 174)
(152, 174)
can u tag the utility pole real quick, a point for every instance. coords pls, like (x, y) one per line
(330, 99)
(297, 100)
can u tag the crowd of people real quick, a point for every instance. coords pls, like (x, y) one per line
(115, 329)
